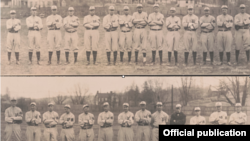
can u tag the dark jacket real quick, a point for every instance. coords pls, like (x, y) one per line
(180, 119)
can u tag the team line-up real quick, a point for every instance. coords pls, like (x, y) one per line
(147, 123)
(122, 41)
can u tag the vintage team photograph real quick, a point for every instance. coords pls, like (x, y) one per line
(116, 108)
(132, 37)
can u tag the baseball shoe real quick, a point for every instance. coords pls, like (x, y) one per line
(108, 64)
(163, 64)
(220, 63)
(17, 62)
(75, 62)
(185, 65)
(30, 62)
(88, 63)
(49, 63)
(120, 64)
(176, 64)
(136, 63)
(248, 63)
(114, 63)
(66, 63)
(38, 63)
(129, 63)
(229, 64)
(152, 63)
(9, 62)
(58, 63)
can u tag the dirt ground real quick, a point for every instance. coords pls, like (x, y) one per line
(76, 129)
(102, 69)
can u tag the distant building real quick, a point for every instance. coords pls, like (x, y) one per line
(111, 98)
(29, 3)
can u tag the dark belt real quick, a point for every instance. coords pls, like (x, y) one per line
(71, 31)
(243, 27)
(111, 30)
(55, 29)
(190, 29)
(156, 29)
(156, 127)
(33, 125)
(51, 126)
(173, 29)
(85, 128)
(91, 28)
(105, 126)
(13, 31)
(224, 29)
(125, 126)
(67, 127)
(34, 29)
(140, 27)
(142, 124)
(125, 31)
(206, 31)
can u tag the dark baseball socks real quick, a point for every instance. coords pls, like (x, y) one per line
(129, 56)
(121, 56)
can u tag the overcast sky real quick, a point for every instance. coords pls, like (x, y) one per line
(39, 87)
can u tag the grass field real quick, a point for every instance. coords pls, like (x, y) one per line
(102, 69)
(76, 129)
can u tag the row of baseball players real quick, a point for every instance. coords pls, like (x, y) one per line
(123, 41)
(143, 118)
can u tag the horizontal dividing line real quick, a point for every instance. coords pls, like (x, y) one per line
(123, 75)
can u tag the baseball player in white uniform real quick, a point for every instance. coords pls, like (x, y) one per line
(140, 20)
(143, 119)
(191, 24)
(219, 117)
(33, 119)
(34, 24)
(67, 121)
(50, 120)
(13, 37)
(238, 118)
(86, 121)
(173, 24)
(91, 23)
(126, 37)
(197, 119)
(13, 118)
(110, 24)
(105, 120)
(155, 21)
(71, 24)
(158, 118)
(54, 37)
(126, 120)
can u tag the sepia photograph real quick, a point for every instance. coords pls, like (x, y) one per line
(116, 108)
(125, 37)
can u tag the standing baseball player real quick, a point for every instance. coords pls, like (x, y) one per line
(71, 24)
(155, 21)
(178, 118)
(158, 118)
(86, 121)
(67, 121)
(191, 24)
(34, 24)
(126, 37)
(207, 23)
(143, 119)
(33, 119)
(13, 37)
(242, 37)
(238, 118)
(224, 35)
(91, 23)
(173, 24)
(197, 119)
(105, 120)
(50, 120)
(13, 118)
(110, 24)
(126, 120)
(140, 20)
(54, 38)
(219, 117)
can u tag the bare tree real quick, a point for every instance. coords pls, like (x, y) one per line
(79, 94)
(186, 84)
(59, 99)
(157, 86)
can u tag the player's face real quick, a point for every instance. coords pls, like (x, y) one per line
(197, 112)
(126, 12)
(71, 12)
(172, 12)
(242, 10)
(178, 109)
(125, 108)
(111, 12)
(33, 12)
(143, 106)
(86, 109)
(190, 11)
(33, 107)
(238, 109)
(12, 16)
(54, 11)
(51, 107)
(224, 11)
(13, 103)
(207, 12)
(67, 110)
(219, 108)
(139, 9)
(156, 9)
(106, 108)
(92, 12)
(159, 107)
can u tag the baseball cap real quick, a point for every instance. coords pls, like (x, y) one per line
(156, 5)
(111, 8)
(139, 5)
(91, 8)
(142, 102)
(105, 104)
(53, 7)
(242, 6)
(126, 8)
(224, 7)
(32, 103)
(50, 104)
(33, 8)
(218, 104)
(86, 105)
(159, 103)
(172, 9)
(197, 108)
(178, 106)
(13, 99)
(206, 9)
(190, 7)
(71, 9)
(12, 12)
(126, 104)
(238, 105)
(67, 106)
